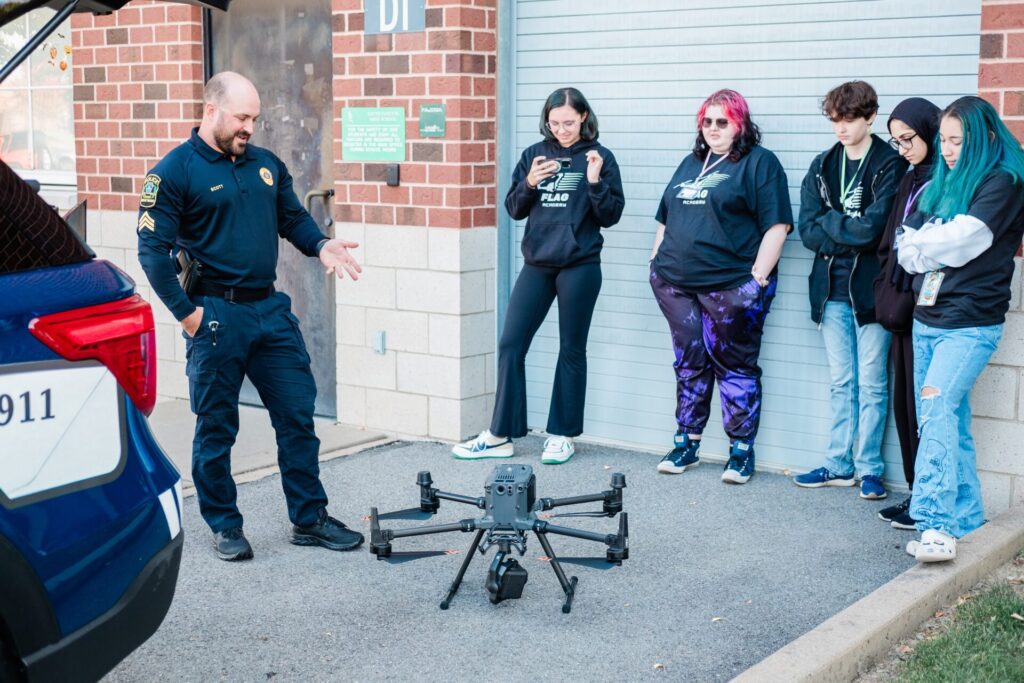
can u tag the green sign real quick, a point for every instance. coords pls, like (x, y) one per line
(432, 120)
(373, 134)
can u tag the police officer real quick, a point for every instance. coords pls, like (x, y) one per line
(224, 202)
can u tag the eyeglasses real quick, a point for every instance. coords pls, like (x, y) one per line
(905, 143)
(564, 125)
(719, 123)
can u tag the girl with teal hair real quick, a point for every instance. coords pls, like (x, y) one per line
(959, 245)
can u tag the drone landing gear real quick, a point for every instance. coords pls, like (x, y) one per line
(462, 570)
(568, 585)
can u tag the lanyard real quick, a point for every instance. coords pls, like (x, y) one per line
(913, 198)
(844, 188)
(707, 168)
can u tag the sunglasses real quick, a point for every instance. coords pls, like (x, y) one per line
(719, 123)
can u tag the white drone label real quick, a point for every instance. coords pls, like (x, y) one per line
(59, 425)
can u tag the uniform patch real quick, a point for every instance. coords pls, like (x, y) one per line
(150, 188)
(267, 177)
(146, 222)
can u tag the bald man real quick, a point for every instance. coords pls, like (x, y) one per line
(221, 203)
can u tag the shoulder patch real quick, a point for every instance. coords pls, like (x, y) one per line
(266, 175)
(150, 188)
(146, 222)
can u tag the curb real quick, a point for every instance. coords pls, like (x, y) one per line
(844, 646)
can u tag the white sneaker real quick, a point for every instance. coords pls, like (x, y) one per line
(934, 546)
(557, 450)
(486, 445)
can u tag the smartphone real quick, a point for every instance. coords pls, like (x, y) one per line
(563, 162)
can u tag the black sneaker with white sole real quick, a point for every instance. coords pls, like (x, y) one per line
(327, 532)
(893, 511)
(904, 521)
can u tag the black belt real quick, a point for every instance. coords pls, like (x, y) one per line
(239, 295)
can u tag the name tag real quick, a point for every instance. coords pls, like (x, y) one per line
(930, 288)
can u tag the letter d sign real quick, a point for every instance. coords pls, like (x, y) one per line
(394, 16)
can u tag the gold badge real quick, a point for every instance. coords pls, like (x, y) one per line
(267, 177)
(150, 187)
(146, 222)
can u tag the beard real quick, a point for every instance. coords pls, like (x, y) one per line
(230, 143)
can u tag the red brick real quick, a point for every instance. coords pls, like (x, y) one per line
(393, 64)
(185, 52)
(484, 217)
(1003, 75)
(465, 17)
(434, 18)
(449, 85)
(109, 165)
(104, 20)
(451, 218)
(383, 215)
(356, 22)
(484, 174)
(154, 15)
(348, 171)
(448, 174)
(484, 41)
(376, 87)
(83, 56)
(86, 165)
(380, 42)
(394, 196)
(411, 86)
(192, 32)
(127, 54)
(1013, 103)
(164, 148)
(993, 97)
(110, 202)
(428, 152)
(362, 65)
(105, 55)
(108, 129)
(141, 35)
(463, 196)
(129, 16)
(177, 12)
(430, 63)
(92, 37)
(154, 53)
(991, 45)
(96, 111)
(1016, 127)
(168, 72)
(347, 87)
(472, 152)
(121, 148)
(466, 108)
(364, 194)
(995, 17)
(118, 74)
(1015, 45)
(128, 91)
(349, 213)
(84, 129)
(347, 44)
(408, 215)
(414, 173)
(450, 40)
(157, 129)
(428, 196)
(410, 42)
(98, 183)
(144, 148)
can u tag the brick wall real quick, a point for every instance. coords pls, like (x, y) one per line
(138, 76)
(429, 244)
(998, 397)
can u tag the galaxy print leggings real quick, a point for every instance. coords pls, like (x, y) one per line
(717, 336)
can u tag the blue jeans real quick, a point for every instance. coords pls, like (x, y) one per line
(947, 493)
(857, 357)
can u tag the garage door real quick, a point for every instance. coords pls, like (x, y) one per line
(645, 67)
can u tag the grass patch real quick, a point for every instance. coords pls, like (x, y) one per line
(985, 644)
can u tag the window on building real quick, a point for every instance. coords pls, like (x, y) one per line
(37, 134)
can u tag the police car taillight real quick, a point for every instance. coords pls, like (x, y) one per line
(119, 334)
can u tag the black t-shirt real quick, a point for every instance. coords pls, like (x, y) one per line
(714, 224)
(842, 266)
(977, 293)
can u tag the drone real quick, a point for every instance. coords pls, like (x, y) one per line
(510, 506)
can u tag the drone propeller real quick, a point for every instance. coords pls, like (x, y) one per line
(398, 557)
(592, 562)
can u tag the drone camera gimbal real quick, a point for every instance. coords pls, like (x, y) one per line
(510, 506)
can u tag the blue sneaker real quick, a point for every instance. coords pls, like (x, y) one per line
(682, 457)
(871, 488)
(822, 477)
(740, 467)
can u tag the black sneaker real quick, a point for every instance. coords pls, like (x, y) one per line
(682, 457)
(904, 521)
(231, 545)
(328, 532)
(893, 511)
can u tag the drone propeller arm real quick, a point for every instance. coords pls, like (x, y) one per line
(549, 503)
(455, 497)
(465, 525)
(542, 527)
(612, 498)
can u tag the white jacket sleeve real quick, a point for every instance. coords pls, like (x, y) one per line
(953, 243)
(910, 257)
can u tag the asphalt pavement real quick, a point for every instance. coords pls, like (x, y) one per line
(719, 577)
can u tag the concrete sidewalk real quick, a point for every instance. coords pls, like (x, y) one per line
(255, 450)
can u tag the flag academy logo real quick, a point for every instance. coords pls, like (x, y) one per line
(555, 192)
(696, 191)
(851, 207)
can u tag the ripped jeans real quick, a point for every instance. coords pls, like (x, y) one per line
(947, 493)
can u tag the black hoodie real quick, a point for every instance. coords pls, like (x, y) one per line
(565, 213)
(829, 232)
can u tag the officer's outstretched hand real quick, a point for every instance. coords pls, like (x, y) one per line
(336, 258)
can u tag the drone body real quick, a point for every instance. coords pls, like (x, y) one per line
(510, 506)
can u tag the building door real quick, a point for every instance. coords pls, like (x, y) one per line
(286, 52)
(645, 68)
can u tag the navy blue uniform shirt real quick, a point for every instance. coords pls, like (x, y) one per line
(227, 214)
(714, 230)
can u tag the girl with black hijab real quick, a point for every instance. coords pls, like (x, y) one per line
(913, 125)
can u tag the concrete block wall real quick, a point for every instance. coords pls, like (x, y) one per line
(998, 398)
(427, 246)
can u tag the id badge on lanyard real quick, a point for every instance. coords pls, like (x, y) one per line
(930, 288)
